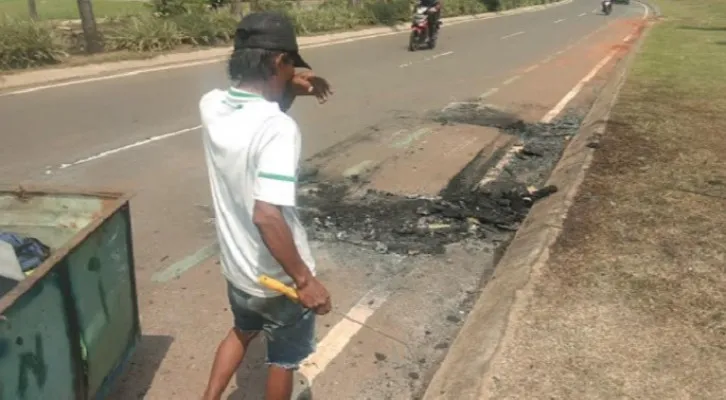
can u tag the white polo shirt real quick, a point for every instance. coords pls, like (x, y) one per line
(252, 151)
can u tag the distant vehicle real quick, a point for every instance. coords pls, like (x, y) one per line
(607, 7)
(422, 34)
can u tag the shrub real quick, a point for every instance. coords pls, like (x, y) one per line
(143, 33)
(25, 44)
(206, 28)
(453, 8)
(501, 5)
(331, 17)
(165, 8)
(388, 12)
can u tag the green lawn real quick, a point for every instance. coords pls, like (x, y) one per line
(67, 9)
(645, 243)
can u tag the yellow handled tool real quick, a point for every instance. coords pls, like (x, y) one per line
(278, 286)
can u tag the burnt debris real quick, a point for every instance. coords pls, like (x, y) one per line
(386, 222)
(414, 225)
(409, 225)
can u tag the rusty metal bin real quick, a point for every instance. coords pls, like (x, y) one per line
(67, 330)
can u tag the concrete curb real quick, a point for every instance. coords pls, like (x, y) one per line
(61, 74)
(465, 373)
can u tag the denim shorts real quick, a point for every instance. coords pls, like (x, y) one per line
(288, 327)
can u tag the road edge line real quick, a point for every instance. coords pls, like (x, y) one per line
(20, 82)
(467, 369)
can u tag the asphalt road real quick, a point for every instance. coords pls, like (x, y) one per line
(372, 78)
(527, 62)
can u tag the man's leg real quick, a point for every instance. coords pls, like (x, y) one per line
(288, 344)
(230, 354)
(279, 383)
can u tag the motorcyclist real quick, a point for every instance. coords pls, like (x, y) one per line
(603, 4)
(434, 15)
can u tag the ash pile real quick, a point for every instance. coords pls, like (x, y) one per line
(416, 225)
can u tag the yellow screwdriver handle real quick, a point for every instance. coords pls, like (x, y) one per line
(278, 286)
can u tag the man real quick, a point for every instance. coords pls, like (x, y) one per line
(252, 150)
(434, 16)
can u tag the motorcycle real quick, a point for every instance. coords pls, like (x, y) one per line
(607, 7)
(420, 29)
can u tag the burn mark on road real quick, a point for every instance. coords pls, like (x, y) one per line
(386, 222)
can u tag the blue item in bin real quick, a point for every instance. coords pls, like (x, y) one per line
(31, 252)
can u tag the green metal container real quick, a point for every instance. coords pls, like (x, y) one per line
(67, 330)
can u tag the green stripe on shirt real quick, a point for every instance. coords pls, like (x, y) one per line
(277, 177)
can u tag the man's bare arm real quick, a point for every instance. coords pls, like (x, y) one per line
(279, 240)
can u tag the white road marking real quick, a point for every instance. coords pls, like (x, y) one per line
(552, 114)
(448, 53)
(359, 169)
(431, 58)
(114, 76)
(512, 35)
(531, 68)
(460, 147)
(453, 104)
(582, 15)
(340, 335)
(511, 80)
(560, 20)
(488, 93)
(494, 173)
(129, 146)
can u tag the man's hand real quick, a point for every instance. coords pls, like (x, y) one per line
(313, 295)
(307, 84)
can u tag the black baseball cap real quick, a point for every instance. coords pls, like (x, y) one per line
(268, 30)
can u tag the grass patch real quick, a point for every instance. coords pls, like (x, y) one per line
(27, 44)
(67, 9)
(635, 287)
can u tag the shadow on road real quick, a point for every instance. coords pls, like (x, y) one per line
(143, 367)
